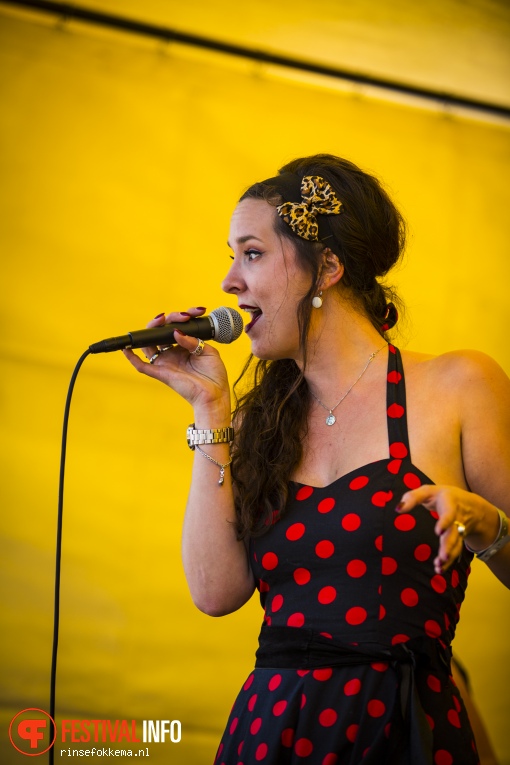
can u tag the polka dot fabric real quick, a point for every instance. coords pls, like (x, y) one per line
(344, 565)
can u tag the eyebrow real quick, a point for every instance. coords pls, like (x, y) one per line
(243, 239)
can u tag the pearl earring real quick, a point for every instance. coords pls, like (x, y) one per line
(317, 301)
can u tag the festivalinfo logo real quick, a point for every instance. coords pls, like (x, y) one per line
(33, 732)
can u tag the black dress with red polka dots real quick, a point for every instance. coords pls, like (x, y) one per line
(354, 658)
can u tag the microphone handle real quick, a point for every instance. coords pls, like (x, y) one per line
(202, 328)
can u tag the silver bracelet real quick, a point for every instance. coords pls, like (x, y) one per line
(500, 541)
(221, 467)
(195, 437)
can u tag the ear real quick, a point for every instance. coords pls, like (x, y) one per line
(331, 271)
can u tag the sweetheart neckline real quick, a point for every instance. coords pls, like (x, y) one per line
(364, 467)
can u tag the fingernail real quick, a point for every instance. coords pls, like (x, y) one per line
(200, 308)
(443, 531)
(183, 313)
(178, 332)
(399, 507)
(159, 315)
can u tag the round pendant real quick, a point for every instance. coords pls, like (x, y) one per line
(330, 419)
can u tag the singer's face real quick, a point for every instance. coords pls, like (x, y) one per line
(267, 279)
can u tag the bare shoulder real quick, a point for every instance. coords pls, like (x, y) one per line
(467, 388)
(458, 371)
(465, 396)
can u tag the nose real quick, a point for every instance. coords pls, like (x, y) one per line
(233, 282)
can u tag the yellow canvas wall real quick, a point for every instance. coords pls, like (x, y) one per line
(121, 162)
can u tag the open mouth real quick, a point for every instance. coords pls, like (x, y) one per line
(255, 314)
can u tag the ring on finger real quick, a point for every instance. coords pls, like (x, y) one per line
(461, 529)
(199, 349)
(154, 357)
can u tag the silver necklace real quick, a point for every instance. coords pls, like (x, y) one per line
(331, 419)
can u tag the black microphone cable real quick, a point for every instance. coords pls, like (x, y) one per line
(58, 554)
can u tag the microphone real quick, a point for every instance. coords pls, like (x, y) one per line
(223, 325)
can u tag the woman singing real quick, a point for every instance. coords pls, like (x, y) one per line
(352, 486)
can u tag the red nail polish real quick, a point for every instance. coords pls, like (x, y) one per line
(159, 315)
(399, 507)
(183, 313)
(178, 332)
(200, 308)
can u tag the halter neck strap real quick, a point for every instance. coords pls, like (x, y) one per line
(396, 408)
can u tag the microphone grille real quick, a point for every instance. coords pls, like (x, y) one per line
(228, 324)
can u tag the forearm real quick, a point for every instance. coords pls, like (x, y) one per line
(215, 562)
(486, 530)
(500, 565)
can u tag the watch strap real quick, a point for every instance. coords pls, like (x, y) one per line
(501, 540)
(199, 437)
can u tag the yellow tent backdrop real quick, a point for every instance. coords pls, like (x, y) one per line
(121, 162)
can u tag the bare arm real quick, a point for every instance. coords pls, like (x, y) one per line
(486, 452)
(215, 562)
(483, 403)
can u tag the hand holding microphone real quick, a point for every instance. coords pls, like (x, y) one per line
(176, 354)
(223, 325)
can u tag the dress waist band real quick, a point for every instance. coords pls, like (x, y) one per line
(298, 648)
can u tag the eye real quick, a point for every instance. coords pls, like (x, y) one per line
(252, 253)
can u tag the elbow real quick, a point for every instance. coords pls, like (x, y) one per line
(221, 603)
(219, 595)
(212, 607)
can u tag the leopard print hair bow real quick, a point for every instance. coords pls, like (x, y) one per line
(318, 198)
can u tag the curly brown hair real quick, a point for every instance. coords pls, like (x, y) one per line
(271, 414)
